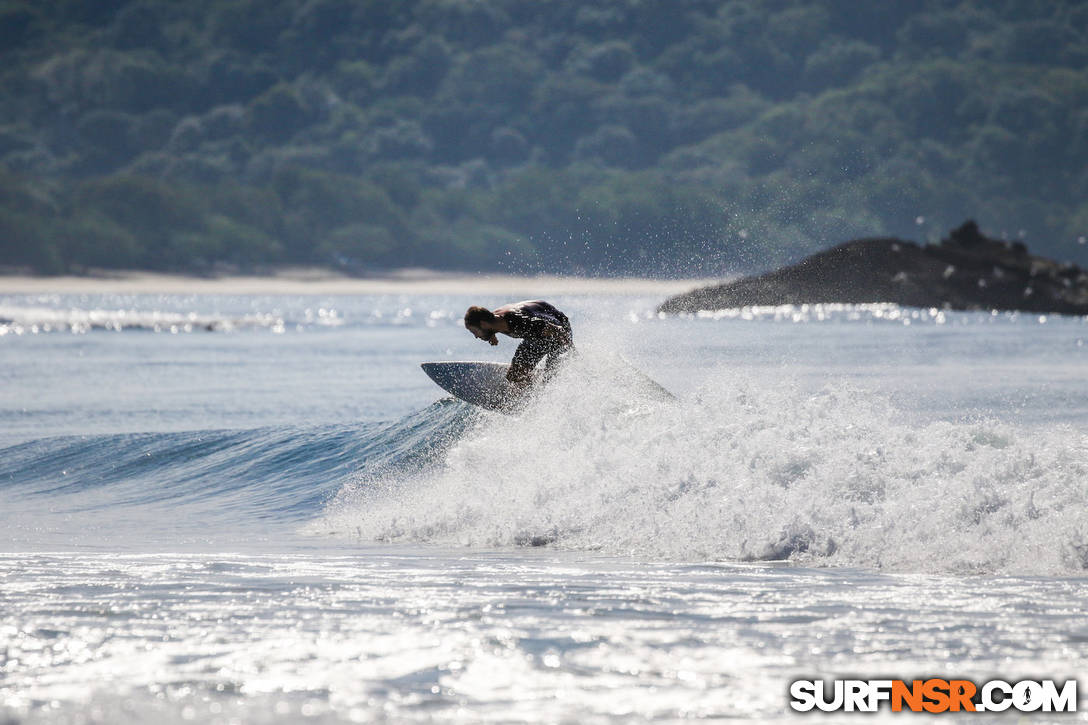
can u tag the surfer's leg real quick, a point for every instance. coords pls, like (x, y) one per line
(557, 354)
(526, 357)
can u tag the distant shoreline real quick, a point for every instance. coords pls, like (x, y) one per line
(316, 281)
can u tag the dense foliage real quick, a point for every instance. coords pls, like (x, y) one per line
(615, 136)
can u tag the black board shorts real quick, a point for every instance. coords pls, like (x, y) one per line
(531, 351)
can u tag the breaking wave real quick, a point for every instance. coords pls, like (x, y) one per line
(744, 470)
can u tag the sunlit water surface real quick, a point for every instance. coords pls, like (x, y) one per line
(258, 509)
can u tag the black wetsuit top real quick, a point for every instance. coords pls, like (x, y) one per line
(545, 331)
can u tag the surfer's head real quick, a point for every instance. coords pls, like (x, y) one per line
(482, 323)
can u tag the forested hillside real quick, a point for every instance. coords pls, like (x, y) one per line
(617, 136)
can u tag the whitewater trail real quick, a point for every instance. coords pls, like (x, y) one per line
(743, 470)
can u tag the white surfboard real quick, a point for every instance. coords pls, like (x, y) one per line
(485, 384)
(480, 383)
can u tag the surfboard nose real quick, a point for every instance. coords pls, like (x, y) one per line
(479, 383)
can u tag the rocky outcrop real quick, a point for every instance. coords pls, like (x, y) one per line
(966, 271)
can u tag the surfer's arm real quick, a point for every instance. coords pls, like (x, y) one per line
(519, 377)
(521, 367)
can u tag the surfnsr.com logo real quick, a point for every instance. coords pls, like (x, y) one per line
(933, 695)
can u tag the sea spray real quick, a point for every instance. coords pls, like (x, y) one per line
(744, 469)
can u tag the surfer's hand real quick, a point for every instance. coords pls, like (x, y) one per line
(493, 340)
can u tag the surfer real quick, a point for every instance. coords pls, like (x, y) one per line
(543, 330)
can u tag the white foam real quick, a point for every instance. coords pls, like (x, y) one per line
(744, 470)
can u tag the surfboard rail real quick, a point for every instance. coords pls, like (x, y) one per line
(477, 382)
(484, 383)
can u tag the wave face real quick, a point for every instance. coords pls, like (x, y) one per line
(745, 470)
(203, 485)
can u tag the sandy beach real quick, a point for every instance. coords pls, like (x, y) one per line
(323, 282)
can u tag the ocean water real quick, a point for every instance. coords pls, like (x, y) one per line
(259, 509)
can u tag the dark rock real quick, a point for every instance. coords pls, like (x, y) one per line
(966, 271)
